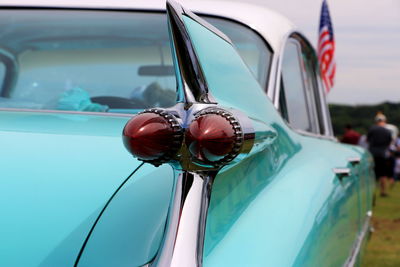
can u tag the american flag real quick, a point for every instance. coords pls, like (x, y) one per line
(326, 48)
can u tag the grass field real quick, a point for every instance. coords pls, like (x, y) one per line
(383, 249)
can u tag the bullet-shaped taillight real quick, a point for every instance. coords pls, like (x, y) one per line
(152, 136)
(213, 137)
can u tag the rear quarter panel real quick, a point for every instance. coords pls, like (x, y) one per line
(285, 207)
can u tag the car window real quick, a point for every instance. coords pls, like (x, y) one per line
(251, 47)
(293, 89)
(101, 61)
(87, 61)
(311, 79)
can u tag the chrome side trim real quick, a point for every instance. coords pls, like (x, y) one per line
(342, 172)
(184, 237)
(355, 251)
(354, 160)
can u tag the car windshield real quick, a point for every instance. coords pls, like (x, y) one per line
(100, 61)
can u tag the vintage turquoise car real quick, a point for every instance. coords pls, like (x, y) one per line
(234, 160)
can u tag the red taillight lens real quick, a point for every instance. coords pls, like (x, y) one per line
(210, 137)
(214, 137)
(149, 136)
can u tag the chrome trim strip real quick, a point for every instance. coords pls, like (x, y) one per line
(354, 160)
(273, 77)
(278, 69)
(184, 238)
(352, 259)
(190, 77)
(342, 172)
(325, 108)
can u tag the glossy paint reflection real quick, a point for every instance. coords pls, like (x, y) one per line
(235, 187)
(335, 227)
(210, 137)
(130, 230)
(277, 201)
(229, 79)
(72, 164)
(148, 136)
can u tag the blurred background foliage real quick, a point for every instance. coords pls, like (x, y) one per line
(361, 117)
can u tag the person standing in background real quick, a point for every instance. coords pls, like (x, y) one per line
(379, 139)
(350, 136)
(396, 174)
(392, 160)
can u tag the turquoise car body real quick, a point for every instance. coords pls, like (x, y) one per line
(72, 195)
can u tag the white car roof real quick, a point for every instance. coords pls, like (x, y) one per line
(269, 24)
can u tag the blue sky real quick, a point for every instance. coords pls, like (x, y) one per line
(367, 36)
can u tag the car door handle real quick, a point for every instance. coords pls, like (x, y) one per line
(342, 172)
(354, 160)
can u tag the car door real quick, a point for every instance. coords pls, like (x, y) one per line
(303, 108)
(359, 164)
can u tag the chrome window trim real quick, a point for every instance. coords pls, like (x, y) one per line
(275, 92)
(274, 88)
(324, 108)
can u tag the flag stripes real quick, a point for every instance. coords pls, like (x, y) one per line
(326, 48)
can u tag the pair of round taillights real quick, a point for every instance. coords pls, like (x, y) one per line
(155, 136)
